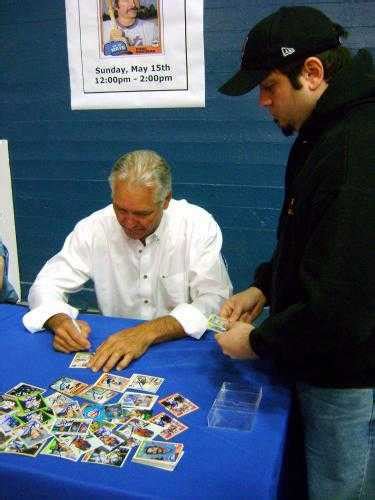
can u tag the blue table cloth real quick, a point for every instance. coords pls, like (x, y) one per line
(217, 464)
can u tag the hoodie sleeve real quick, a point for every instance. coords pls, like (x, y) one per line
(337, 274)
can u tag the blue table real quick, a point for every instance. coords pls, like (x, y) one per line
(217, 464)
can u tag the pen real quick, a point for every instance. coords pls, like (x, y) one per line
(76, 325)
(78, 328)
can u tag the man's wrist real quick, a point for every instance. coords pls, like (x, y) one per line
(255, 288)
(55, 320)
(161, 329)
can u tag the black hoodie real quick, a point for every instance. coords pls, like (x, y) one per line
(320, 282)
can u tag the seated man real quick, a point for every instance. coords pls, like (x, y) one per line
(7, 292)
(149, 256)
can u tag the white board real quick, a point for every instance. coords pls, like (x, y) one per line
(7, 225)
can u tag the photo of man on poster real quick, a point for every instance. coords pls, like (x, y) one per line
(129, 27)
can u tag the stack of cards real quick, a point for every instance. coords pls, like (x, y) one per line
(159, 454)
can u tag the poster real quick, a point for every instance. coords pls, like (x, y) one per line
(135, 53)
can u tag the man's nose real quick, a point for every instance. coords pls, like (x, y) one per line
(128, 220)
(131, 222)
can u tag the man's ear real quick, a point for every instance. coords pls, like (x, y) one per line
(167, 200)
(313, 72)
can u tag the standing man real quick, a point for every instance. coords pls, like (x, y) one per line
(149, 256)
(320, 281)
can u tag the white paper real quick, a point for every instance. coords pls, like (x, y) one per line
(159, 61)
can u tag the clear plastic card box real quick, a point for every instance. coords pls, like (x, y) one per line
(235, 406)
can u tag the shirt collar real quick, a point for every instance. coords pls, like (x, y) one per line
(159, 232)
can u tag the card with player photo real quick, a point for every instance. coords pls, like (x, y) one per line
(93, 411)
(58, 401)
(97, 427)
(178, 405)
(140, 429)
(146, 383)
(138, 400)
(8, 423)
(70, 410)
(107, 437)
(171, 426)
(84, 444)
(97, 394)
(78, 426)
(7, 404)
(30, 404)
(102, 456)
(58, 448)
(17, 446)
(33, 433)
(23, 390)
(4, 439)
(69, 386)
(112, 382)
(44, 417)
(126, 414)
(81, 360)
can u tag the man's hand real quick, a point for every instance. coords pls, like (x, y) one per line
(120, 349)
(235, 342)
(116, 34)
(245, 306)
(67, 336)
(126, 345)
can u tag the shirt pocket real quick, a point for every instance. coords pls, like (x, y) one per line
(173, 289)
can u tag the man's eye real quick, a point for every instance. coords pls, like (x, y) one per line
(269, 86)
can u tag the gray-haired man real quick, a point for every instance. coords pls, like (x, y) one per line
(149, 256)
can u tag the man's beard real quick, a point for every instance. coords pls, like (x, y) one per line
(287, 130)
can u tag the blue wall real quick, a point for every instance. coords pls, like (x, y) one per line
(227, 157)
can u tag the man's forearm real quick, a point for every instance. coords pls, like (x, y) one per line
(162, 329)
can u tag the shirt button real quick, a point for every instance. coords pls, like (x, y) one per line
(139, 251)
(145, 301)
(145, 276)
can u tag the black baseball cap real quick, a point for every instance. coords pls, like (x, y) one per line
(289, 35)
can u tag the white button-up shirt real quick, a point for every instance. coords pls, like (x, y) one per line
(179, 271)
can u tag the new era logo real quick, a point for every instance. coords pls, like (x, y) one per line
(287, 51)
